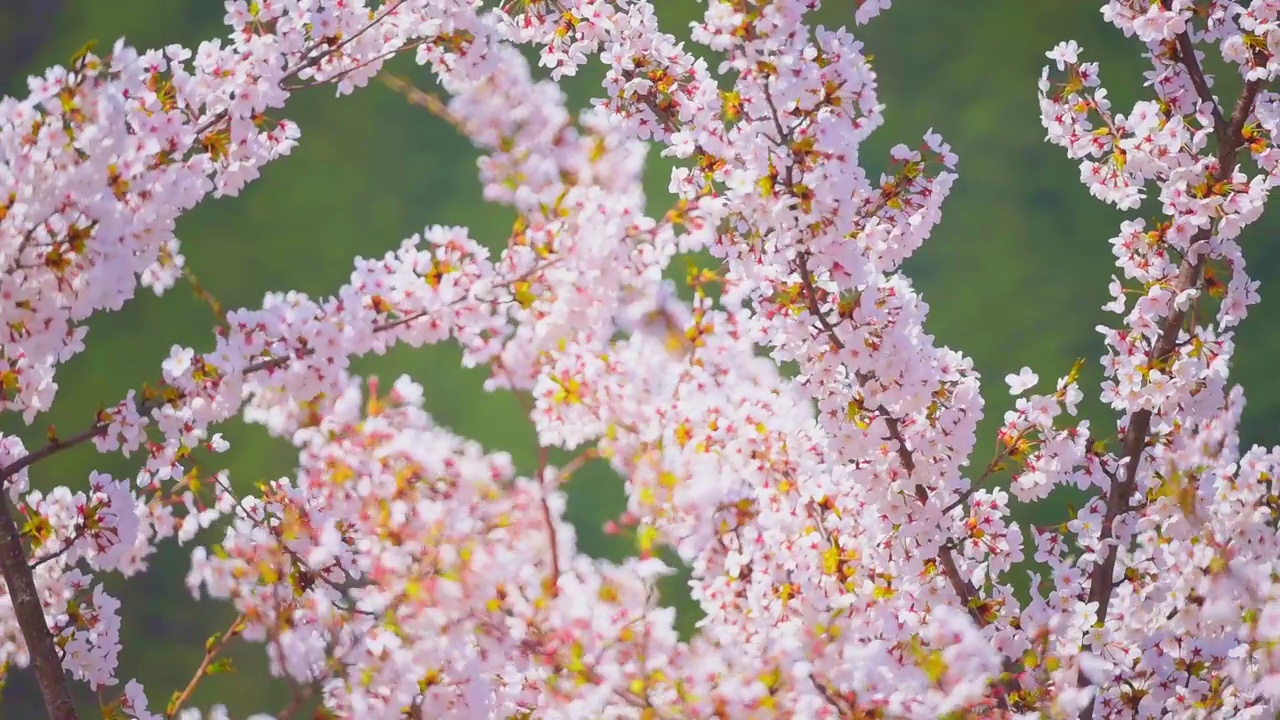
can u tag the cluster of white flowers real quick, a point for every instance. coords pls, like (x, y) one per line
(847, 561)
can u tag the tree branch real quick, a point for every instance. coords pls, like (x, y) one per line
(24, 596)
(54, 447)
(1102, 580)
(307, 62)
(145, 407)
(1186, 54)
(553, 581)
(212, 648)
(963, 589)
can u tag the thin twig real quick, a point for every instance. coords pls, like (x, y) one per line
(52, 448)
(421, 98)
(543, 455)
(210, 653)
(70, 543)
(309, 61)
(963, 589)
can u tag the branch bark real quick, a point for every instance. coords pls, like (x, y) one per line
(1186, 54)
(25, 598)
(54, 447)
(210, 654)
(1102, 581)
(145, 407)
(946, 559)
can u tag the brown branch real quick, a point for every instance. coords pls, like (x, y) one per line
(338, 77)
(963, 589)
(18, 573)
(421, 98)
(66, 547)
(210, 653)
(279, 362)
(54, 447)
(554, 580)
(997, 463)
(307, 63)
(145, 407)
(1102, 581)
(1186, 54)
(811, 301)
(829, 697)
(24, 596)
(276, 362)
(576, 464)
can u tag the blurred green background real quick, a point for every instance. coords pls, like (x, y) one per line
(1015, 274)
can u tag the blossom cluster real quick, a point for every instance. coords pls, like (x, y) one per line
(847, 560)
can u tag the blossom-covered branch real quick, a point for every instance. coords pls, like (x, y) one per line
(847, 563)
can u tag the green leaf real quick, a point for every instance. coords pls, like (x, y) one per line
(83, 52)
(220, 666)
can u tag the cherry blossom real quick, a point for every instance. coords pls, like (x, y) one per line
(1024, 380)
(792, 433)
